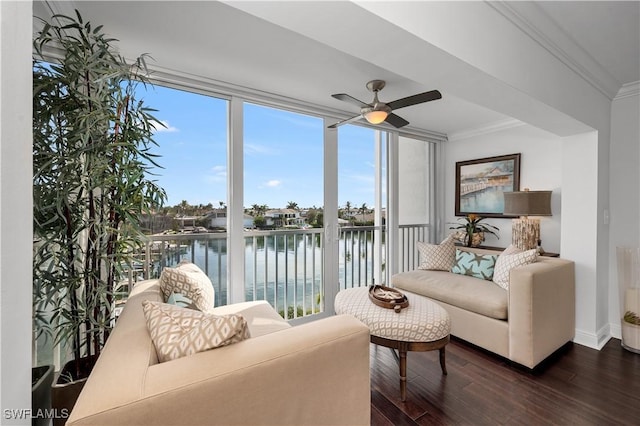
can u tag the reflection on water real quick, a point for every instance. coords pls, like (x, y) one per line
(282, 268)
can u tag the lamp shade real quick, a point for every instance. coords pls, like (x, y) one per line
(527, 203)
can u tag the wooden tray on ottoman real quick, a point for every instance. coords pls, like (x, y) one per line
(388, 297)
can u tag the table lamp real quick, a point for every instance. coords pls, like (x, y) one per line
(525, 231)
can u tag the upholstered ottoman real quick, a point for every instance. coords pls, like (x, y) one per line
(422, 326)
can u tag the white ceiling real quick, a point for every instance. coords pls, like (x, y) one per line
(221, 42)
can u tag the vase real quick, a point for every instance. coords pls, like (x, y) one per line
(476, 239)
(65, 392)
(41, 380)
(629, 291)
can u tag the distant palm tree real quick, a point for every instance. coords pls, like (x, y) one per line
(292, 205)
(256, 209)
(184, 207)
(221, 204)
(347, 207)
(363, 210)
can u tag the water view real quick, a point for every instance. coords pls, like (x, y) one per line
(281, 267)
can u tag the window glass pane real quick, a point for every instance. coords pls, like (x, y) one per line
(360, 199)
(283, 199)
(192, 147)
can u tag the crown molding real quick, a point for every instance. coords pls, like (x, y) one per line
(627, 90)
(496, 126)
(545, 31)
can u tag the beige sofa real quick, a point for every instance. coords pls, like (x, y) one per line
(316, 373)
(525, 324)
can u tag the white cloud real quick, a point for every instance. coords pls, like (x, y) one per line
(218, 174)
(273, 183)
(163, 126)
(253, 149)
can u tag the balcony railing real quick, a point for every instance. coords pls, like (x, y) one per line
(283, 267)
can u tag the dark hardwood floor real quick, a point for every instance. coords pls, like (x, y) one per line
(577, 386)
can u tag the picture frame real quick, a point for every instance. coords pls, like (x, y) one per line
(481, 183)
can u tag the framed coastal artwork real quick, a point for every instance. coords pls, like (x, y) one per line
(481, 183)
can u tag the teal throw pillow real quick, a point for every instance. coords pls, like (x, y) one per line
(474, 264)
(179, 299)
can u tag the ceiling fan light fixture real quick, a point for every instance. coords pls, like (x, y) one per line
(375, 117)
(377, 113)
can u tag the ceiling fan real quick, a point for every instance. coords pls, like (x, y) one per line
(377, 112)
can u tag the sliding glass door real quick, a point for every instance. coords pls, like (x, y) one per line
(284, 209)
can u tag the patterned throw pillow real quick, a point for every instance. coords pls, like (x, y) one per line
(188, 280)
(474, 264)
(437, 257)
(506, 262)
(177, 332)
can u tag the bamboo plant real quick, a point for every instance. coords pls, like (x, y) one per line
(92, 158)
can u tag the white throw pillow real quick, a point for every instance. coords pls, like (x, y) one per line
(437, 257)
(508, 260)
(177, 332)
(188, 280)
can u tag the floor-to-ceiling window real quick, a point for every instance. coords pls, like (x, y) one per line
(282, 191)
(191, 134)
(284, 212)
(362, 197)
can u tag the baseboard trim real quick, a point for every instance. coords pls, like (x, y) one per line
(616, 330)
(591, 340)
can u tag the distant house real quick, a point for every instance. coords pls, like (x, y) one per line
(283, 217)
(217, 218)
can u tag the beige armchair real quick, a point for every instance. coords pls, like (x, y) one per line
(316, 373)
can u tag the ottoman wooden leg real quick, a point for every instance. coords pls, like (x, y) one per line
(403, 373)
(442, 361)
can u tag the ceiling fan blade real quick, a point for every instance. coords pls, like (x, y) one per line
(350, 99)
(396, 120)
(415, 99)
(348, 120)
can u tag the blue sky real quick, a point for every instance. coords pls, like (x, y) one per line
(283, 155)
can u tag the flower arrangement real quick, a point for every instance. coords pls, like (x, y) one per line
(472, 226)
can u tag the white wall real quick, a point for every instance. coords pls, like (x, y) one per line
(579, 239)
(624, 190)
(540, 169)
(15, 209)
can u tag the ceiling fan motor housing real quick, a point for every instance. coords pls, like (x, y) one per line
(376, 85)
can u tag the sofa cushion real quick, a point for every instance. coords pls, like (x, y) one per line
(177, 332)
(474, 264)
(437, 257)
(509, 260)
(472, 294)
(260, 316)
(190, 281)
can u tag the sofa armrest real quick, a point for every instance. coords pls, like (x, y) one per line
(541, 309)
(316, 373)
